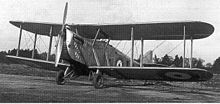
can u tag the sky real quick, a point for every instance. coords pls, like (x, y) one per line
(114, 11)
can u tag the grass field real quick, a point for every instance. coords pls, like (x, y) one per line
(20, 80)
(19, 69)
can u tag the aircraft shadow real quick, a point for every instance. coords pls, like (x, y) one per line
(125, 84)
(136, 86)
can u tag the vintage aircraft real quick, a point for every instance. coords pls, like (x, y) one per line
(86, 50)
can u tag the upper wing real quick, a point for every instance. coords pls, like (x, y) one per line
(49, 65)
(146, 31)
(150, 31)
(157, 73)
(39, 28)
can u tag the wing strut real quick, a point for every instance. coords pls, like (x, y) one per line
(97, 33)
(35, 41)
(50, 43)
(142, 51)
(132, 46)
(19, 43)
(191, 55)
(94, 52)
(184, 46)
(106, 54)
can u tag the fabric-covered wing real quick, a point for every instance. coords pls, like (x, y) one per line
(48, 65)
(157, 73)
(147, 31)
(39, 28)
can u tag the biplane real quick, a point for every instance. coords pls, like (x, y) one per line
(86, 50)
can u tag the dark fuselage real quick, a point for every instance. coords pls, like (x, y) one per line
(81, 52)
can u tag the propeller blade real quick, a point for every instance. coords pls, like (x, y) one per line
(64, 17)
(59, 49)
(60, 40)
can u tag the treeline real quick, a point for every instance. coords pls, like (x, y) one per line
(166, 60)
(178, 61)
(196, 62)
(216, 66)
(28, 53)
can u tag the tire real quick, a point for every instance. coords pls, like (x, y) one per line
(98, 81)
(59, 78)
(119, 62)
(91, 76)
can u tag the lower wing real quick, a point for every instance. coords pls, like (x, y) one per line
(49, 65)
(157, 73)
(139, 73)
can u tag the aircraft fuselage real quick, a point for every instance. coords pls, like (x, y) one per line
(81, 51)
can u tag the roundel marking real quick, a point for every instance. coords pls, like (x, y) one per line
(178, 75)
(119, 63)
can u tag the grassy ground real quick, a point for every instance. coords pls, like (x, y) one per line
(10, 67)
(41, 87)
(19, 69)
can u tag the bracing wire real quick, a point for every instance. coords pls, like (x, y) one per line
(117, 44)
(33, 41)
(29, 40)
(130, 49)
(159, 45)
(25, 40)
(175, 47)
(124, 46)
(43, 42)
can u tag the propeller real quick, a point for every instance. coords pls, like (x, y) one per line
(60, 40)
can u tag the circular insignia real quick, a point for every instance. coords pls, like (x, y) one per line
(178, 75)
(119, 63)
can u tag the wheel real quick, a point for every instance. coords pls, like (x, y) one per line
(91, 75)
(59, 78)
(98, 81)
(119, 62)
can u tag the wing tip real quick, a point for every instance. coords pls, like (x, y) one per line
(208, 29)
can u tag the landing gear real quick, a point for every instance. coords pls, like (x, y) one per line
(98, 81)
(70, 73)
(91, 75)
(62, 75)
(60, 78)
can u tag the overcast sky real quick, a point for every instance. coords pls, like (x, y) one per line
(115, 11)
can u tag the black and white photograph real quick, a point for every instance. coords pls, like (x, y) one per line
(110, 51)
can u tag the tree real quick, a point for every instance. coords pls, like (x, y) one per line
(208, 66)
(181, 62)
(12, 52)
(156, 60)
(2, 57)
(216, 65)
(200, 63)
(176, 61)
(167, 60)
(194, 62)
